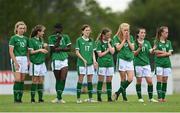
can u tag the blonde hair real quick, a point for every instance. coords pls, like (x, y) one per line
(121, 27)
(18, 24)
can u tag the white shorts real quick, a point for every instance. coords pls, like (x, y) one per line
(37, 69)
(89, 70)
(23, 64)
(143, 71)
(163, 71)
(125, 65)
(106, 71)
(58, 64)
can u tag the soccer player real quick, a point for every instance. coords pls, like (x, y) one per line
(86, 61)
(105, 51)
(18, 50)
(162, 61)
(38, 51)
(124, 44)
(142, 64)
(59, 44)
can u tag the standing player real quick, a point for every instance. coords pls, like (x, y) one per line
(142, 64)
(124, 44)
(18, 49)
(38, 51)
(59, 44)
(162, 61)
(86, 61)
(105, 52)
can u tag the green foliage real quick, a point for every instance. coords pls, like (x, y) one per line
(152, 14)
(74, 13)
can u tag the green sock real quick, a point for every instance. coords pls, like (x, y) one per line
(33, 90)
(109, 89)
(18, 90)
(40, 91)
(59, 89)
(138, 90)
(99, 89)
(90, 89)
(121, 87)
(79, 85)
(126, 84)
(159, 89)
(63, 84)
(21, 85)
(15, 88)
(150, 91)
(164, 87)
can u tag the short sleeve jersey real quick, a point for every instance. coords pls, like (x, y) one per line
(86, 49)
(106, 60)
(125, 53)
(143, 57)
(35, 44)
(20, 44)
(163, 61)
(64, 42)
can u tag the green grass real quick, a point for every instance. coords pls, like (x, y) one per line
(7, 105)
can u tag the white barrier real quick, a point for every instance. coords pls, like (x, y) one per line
(72, 77)
(6, 82)
(7, 79)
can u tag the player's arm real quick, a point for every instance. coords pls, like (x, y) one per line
(120, 45)
(111, 49)
(58, 49)
(80, 56)
(11, 52)
(32, 51)
(138, 50)
(94, 60)
(131, 45)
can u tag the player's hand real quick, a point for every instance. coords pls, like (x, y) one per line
(85, 63)
(17, 66)
(95, 65)
(43, 51)
(45, 45)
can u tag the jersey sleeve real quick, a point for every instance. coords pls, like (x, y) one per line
(68, 41)
(149, 46)
(170, 47)
(98, 49)
(94, 46)
(50, 41)
(31, 47)
(77, 44)
(12, 42)
(115, 40)
(132, 39)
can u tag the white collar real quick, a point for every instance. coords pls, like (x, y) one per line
(86, 39)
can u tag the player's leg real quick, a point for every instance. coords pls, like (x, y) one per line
(159, 72)
(109, 74)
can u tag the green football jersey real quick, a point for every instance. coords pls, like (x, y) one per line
(20, 44)
(163, 61)
(106, 60)
(86, 49)
(125, 53)
(35, 44)
(143, 57)
(64, 42)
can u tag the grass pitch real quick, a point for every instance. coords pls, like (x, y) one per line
(7, 105)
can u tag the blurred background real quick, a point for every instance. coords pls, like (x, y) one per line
(149, 14)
